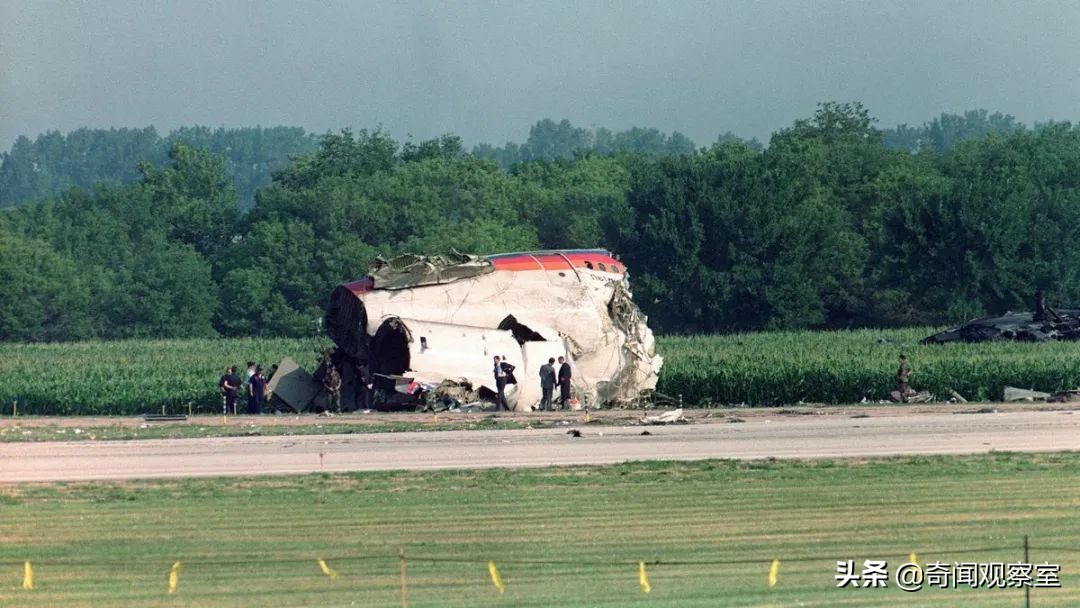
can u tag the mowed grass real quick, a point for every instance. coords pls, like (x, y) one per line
(560, 536)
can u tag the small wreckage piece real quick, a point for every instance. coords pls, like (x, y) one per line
(1044, 324)
(1011, 393)
(428, 327)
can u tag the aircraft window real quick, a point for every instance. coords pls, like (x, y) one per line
(562, 274)
(602, 267)
(614, 268)
(588, 265)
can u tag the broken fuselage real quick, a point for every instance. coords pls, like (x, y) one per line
(438, 318)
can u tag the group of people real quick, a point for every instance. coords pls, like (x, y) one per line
(253, 386)
(504, 375)
(549, 378)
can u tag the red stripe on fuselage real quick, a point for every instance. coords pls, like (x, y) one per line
(591, 260)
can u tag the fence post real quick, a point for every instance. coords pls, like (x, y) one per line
(404, 581)
(1027, 588)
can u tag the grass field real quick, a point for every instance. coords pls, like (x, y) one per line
(560, 537)
(133, 377)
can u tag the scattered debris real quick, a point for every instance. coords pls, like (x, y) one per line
(1065, 397)
(574, 433)
(1042, 325)
(1018, 394)
(671, 417)
(164, 417)
(646, 433)
(292, 386)
(955, 397)
(919, 397)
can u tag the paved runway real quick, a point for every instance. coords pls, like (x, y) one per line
(761, 437)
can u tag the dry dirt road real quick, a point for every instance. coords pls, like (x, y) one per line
(762, 435)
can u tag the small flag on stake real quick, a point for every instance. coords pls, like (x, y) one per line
(912, 558)
(174, 577)
(327, 570)
(495, 578)
(773, 571)
(28, 577)
(643, 578)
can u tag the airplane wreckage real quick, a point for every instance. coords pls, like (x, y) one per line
(428, 327)
(1043, 324)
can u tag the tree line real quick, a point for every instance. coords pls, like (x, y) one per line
(826, 226)
(51, 163)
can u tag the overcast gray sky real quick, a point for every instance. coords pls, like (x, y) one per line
(488, 70)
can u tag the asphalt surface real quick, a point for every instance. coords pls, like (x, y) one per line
(755, 438)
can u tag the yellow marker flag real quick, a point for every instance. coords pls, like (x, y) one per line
(174, 577)
(495, 578)
(773, 571)
(327, 570)
(914, 559)
(28, 577)
(643, 578)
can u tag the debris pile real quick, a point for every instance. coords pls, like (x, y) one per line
(1043, 324)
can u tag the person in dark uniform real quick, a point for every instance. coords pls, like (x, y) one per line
(504, 374)
(362, 385)
(547, 384)
(902, 375)
(230, 386)
(332, 384)
(564, 382)
(256, 391)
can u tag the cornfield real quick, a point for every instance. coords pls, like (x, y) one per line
(132, 376)
(848, 366)
(779, 368)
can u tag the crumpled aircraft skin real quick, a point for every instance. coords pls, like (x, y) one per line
(445, 317)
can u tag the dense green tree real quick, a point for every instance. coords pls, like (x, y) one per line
(947, 130)
(167, 292)
(834, 224)
(46, 296)
(53, 163)
(194, 199)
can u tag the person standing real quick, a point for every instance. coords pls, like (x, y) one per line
(501, 377)
(247, 376)
(509, 368)
(332, 384)
(547, 384)
(902, 375)
(230, 386)
(256, 391)
(564, 382)
(362, 386)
